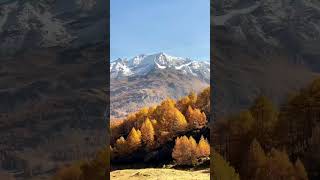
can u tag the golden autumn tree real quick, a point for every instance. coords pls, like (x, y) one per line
(195, 118)
(154, 122)
(203, 149)
(129, 123)
(134, 139)
(178, 149)
(183, 104)
(193, 149)
(193, 97)
(203, 101)
(242, 123)
(221, 169)
(140, 116)
(147, 132)
(169, 118)
(278, 166)
(184, 151)
(255, 161)
(266, 116)
(139, 133)
(96, 168)
(136, 119)
(121, 146)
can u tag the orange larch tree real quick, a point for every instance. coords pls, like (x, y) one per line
(195, 118)
(203, 149)
(134, 139)
(147, 132)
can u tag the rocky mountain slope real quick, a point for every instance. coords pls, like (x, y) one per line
(52, 84)
(30, 24)
(263, 47)
(148, 79)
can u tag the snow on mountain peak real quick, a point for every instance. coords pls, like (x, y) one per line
(143, 64)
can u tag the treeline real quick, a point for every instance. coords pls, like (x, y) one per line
(86, 170)
(265, 142)
(152, 127)
(148, 129)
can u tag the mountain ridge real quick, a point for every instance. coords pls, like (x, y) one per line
(143, 64)
(145, 80)
(264, 47)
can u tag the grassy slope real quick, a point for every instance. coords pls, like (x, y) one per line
(155, 174)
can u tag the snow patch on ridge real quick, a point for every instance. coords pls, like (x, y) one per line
(143, 64)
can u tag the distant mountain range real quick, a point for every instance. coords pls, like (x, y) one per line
(269, 47)
(143, 64)
(148, 79)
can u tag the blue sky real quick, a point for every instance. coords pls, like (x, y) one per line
(176, 27)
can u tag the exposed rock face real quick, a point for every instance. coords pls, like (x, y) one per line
(146, 80)
(52, 85)
(263, 47)
(34, 24)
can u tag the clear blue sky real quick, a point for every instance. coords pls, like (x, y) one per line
(176, 27)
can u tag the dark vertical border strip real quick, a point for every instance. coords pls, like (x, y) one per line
(107, 60)
(212, 89)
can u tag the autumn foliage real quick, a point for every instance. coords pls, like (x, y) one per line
(221, 169)
(147, 132)
(186, 150)
(151, 127)
(266, 142)
(203, 148)
(196, 118)
(147, 129)
(134, 139)
(96, 168)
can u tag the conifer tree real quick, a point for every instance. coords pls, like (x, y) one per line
(242, 124)
(148, 133)
(221, 169)
(184, 151)
(203, 101)
(183, 104)
(195, 118)
(134, 139)
(193, 97)
(266, 116)
(256, 160)
(121, 146)
(203, 148)
(193, 150)
(169, 117)
(278, 166)
(139, 133)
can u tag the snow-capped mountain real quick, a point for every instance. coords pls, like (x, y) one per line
(145, 80)
(143, 64)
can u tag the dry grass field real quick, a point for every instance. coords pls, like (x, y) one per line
(159, 174)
